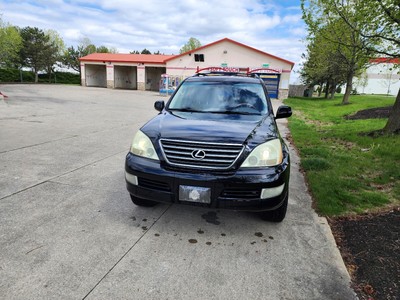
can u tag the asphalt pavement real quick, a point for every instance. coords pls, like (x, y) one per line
(68, 229)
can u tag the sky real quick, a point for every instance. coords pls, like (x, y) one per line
(272, 26)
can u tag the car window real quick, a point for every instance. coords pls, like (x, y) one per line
(223, 97)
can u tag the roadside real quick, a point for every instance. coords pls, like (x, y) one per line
(369, 242)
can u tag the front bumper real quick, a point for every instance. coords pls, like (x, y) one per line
(239, 190)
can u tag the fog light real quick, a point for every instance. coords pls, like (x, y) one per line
(272, 192)
(132, 179)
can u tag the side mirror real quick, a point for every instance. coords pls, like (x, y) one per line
(159, 105)
(283, 112)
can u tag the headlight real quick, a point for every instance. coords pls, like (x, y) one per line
(265, 155)
(142, 146)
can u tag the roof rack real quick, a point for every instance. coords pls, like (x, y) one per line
(265, 71)
(227, 71)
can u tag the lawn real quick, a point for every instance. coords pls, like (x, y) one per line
(347, 170)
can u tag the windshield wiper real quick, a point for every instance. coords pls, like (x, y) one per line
(185, 110)
(225, 112)
(229, 112)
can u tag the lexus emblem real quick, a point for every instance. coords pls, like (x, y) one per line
(198, 154)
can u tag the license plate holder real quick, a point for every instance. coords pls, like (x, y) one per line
(195, 194)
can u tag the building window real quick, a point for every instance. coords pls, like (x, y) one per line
(199, 57)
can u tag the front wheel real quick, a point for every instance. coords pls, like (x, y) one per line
(278, 214)
(142, 202)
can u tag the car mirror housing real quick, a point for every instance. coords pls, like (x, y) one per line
(159, 105)
(283, 112)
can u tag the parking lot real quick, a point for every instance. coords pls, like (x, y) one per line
(70, 231)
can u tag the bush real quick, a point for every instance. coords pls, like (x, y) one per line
(60, 77)
(14, 75)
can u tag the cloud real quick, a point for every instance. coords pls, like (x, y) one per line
(165, 25)
(292, 19)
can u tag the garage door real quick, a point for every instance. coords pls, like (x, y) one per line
(96, 75)
(153, 76)
(272, 83)
(125, 77)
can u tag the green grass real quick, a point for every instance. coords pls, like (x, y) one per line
(347, 170)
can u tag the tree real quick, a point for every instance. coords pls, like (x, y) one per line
(145, 51)
(378, 22)
(102, 49)
(71, 56)
(112, 50)
(323, 22)
(55, 51)
(86, 46)
(393, 123)
(192, 44)
(10, 44)
(324, 65)
(361, 81)
(35, 50)
(105, 49)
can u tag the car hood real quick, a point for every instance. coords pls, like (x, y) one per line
(207, 127)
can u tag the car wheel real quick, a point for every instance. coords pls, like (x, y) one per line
(278, 214)
(142, 202)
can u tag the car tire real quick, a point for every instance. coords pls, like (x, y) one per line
(278, 214)
(142, 202)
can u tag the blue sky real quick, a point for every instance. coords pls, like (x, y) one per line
(269, 25)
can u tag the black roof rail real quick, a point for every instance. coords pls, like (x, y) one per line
(212, 71)
(218, 73)
(218, 69)
(265, 70)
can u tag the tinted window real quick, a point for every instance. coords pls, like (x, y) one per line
(214, 97)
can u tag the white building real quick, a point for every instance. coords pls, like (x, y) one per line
(382, 77)
(143, 72)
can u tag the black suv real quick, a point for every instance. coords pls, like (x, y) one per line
(215, 143)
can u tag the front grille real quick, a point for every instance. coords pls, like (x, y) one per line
(154, 185)
(209, 155)
(241, 193)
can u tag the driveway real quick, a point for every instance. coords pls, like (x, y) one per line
(68, 229)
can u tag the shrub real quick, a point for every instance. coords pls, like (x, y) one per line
(60, 77)
(15, 75)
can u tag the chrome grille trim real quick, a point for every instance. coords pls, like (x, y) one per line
(191, 148)
(219, 156)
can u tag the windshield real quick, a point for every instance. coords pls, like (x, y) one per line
(220, 97)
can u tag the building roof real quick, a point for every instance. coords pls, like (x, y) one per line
(388, 60)
(127, 58)
(234, 42)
